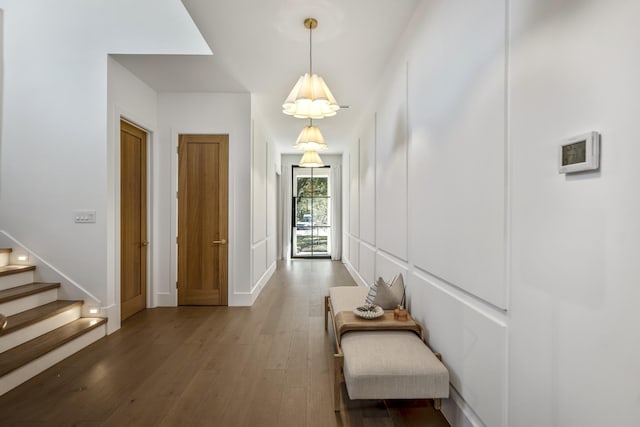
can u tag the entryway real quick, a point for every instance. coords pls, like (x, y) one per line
(311, 213)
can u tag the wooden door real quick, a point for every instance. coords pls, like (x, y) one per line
(133, 220)
(203, 167)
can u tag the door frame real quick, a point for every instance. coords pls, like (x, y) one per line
(118, 210)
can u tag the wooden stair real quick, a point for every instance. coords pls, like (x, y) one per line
(37, 330)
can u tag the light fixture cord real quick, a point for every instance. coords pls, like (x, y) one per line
(310, 48)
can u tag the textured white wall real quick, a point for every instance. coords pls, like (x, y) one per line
(525, 279)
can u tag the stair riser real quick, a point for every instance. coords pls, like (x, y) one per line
(4, 259)
(26, 372)
(32, 301)
(30, 332)
(14, 280)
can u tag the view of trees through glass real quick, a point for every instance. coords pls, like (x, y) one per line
(312, 214)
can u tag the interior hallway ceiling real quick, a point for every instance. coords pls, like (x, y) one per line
(262, 47)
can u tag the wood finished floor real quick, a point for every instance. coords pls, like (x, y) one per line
(266, 365)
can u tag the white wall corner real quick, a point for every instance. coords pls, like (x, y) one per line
(354, 274)
(246, 299)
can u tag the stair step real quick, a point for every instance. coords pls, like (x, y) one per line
(4, 256)
(15, 269)
(37, 347)
(26, 290)
(43, 312)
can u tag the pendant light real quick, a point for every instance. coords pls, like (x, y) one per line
(310, 98)
(310, 138)
(311, 159)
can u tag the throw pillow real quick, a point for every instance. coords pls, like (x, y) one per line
(371, 295)
(397, 288)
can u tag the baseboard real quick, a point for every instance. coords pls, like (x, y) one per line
(354, 273)
(458, 413)
(246, 299)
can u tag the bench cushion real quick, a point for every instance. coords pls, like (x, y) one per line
(346, 298)
(392, 365)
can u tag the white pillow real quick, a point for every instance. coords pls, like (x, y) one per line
(387, 296)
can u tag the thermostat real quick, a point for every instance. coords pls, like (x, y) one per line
(580, 153)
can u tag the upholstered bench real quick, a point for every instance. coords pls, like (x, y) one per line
(385, 363)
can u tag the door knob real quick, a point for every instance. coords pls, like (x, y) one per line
(145, 243)
(221, 242)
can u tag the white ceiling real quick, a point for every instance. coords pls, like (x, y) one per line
(262, 47)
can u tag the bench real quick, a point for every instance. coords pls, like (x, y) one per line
(385, 362)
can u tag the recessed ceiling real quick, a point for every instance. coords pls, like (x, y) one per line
(262, 47)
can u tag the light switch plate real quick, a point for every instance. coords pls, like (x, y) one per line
(84, 217)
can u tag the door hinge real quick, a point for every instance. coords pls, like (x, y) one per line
(176, 240)
(177, 192)
(176, 285)
(178, 150)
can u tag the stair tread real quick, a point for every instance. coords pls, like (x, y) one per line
(19, 356)
(26, 290)
(15, 269)
(34, 315)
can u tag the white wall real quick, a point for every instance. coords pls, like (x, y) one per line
(574, 343)
(182, 113)
(263, 207)
(524, 279)
(54, 155)
(131, 99)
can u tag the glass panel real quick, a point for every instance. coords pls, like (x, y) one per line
(320, 211)
(312, 212)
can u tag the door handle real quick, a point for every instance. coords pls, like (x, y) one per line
(143, 244)
(221, 242)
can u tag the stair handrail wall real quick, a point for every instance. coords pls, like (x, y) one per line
(47, 272)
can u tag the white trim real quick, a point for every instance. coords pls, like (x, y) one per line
(246, 299)
(458, 413)
(354, 274)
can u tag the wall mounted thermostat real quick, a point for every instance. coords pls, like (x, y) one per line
(580, 153)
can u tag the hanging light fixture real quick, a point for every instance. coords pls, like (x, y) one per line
(311, 159)
(310, 98)
(310, 138)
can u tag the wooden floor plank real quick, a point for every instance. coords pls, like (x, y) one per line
(266, 365)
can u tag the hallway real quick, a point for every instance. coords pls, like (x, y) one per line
(266, 365)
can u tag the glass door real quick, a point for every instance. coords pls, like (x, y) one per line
(311, 213)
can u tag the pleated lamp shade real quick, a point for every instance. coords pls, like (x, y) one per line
(311, 159)
(310, 138)
(310, 98)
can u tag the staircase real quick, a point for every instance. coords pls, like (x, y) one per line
(40, 329)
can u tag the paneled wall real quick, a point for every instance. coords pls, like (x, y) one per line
(431, 179)
(263, 209)
(524, 278)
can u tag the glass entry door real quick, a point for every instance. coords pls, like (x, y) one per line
(311, 213)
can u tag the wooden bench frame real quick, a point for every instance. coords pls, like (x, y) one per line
(338, 357)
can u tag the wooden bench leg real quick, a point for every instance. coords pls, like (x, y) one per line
(338, 360)
(326, 312)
